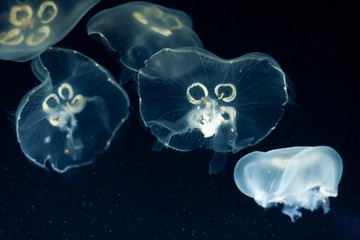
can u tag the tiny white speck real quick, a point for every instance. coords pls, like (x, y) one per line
(47, 139)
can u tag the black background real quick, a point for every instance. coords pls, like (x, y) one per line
(131, 192)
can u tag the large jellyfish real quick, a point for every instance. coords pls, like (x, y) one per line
(27, 28)
(137, 30)
(73, 114)
(191, 98)
(297, 177)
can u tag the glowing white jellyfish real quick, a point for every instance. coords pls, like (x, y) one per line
(73, 114)
(297, 177)
(137, 30)
(191, 98)
(29, 27)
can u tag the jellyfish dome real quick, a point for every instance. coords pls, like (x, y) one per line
(73, 114)
(137, 30)
(297, 177)
(29, 27)
(191, 98)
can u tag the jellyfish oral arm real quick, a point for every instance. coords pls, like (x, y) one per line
(210, 117)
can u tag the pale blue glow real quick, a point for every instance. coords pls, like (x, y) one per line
(297, 177)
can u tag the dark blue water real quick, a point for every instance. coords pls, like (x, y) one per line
(131, 192)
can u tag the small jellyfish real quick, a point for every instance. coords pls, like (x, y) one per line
(73, 114)
(191, 98)
(297, 177)
(29, 27)
(137, 30)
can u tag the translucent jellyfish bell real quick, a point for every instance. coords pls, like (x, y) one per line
(137, 30)
(191, 98)
(73, 114)
(297, 177)
(27, 28)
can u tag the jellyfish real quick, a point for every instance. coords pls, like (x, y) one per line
(297, 177)
(29, 27)
(73, 114)
(190, 98)
(137, 30)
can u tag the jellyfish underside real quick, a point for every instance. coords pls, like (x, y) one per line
(190, 98)
(61, 110)
(208, 116)
(73, 114)
(297, 177)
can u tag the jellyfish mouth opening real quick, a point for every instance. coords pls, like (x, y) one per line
(208, 117)
(225, 116)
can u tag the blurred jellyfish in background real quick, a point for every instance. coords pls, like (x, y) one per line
(27, 28)
(137, 30)
(190, 98)
(73, 114)
(297, 177)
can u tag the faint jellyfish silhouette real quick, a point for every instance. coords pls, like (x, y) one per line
(191, 98)
(297, 177)
(73, 114)
(137, 30)
(29, 27)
